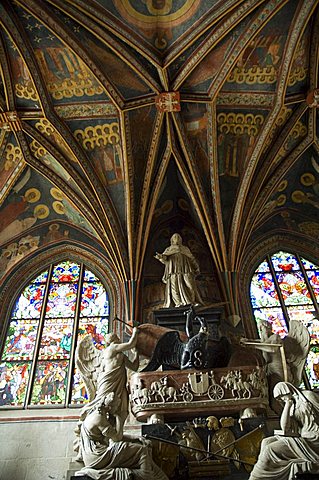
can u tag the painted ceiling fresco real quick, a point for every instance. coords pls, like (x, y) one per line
(127, 120)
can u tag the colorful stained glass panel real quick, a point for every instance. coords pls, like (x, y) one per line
(57, 335)
(61, 300)
(96, 327)
(263, 267)
(79, 393)
(50, 383)
(308, 265)
(42, 278)
(29, 302)
(312, 366)
(94, 300)
(314, 282)
(56, 339)
(293, 288)
(274, 316)
(284, 262)
(303, 313)
(90, 277)
(262, 291)
(13, 383)
(21, 339)
(66, 272)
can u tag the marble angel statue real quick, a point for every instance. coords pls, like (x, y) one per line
(107, 453)
(295, 447)
(285, 357)
(104, 372)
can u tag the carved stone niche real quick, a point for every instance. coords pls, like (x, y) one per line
(182, 394)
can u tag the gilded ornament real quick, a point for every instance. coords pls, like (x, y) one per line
(32, 195)
(248, 447)
(58, 207)
(38, 150)
(298, 196)
(281, 200)
(297, 75)
(56, 193)
(239, 123)
(282, 185)
(41, 211)
(307, 179)
(99, 135)
(223, 442)
(44, 126)
(26, 91)
(74, 88)
(13, 155)
(253, 75)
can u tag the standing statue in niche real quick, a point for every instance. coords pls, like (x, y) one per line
(107, 454)
(180, 273)
(104, 372)
(295, 448)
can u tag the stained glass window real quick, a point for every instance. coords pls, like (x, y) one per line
(60, 306)
(285, 287)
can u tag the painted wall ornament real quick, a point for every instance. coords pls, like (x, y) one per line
(10, 121)
(168, 102)
(313, 98)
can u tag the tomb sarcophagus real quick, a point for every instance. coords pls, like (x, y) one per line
(177, 394)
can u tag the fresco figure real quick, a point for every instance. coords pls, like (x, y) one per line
(295, 448)
(107, 454)
(181, 269)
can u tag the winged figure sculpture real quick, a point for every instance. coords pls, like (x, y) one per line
(285, 357)
(88, 360)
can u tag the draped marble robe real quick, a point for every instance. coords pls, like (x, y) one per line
(282, 457)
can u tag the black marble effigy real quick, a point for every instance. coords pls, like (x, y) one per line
(175, 318)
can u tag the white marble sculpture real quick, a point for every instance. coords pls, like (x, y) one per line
(104, 371)
(295, 448)
(285, 357)
(107, 454)
(180, 272)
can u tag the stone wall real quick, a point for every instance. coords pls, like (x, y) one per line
(38, 444)
(35, 446)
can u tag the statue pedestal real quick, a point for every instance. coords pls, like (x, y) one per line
(175, 318)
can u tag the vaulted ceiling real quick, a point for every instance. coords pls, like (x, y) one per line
(124, 120)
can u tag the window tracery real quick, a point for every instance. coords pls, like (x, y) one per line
(57, 308)
(285, 287)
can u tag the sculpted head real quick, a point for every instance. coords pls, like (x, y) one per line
(176, 239)
(212, 422)
(111, 338)
(284, 390)
(266, 328)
